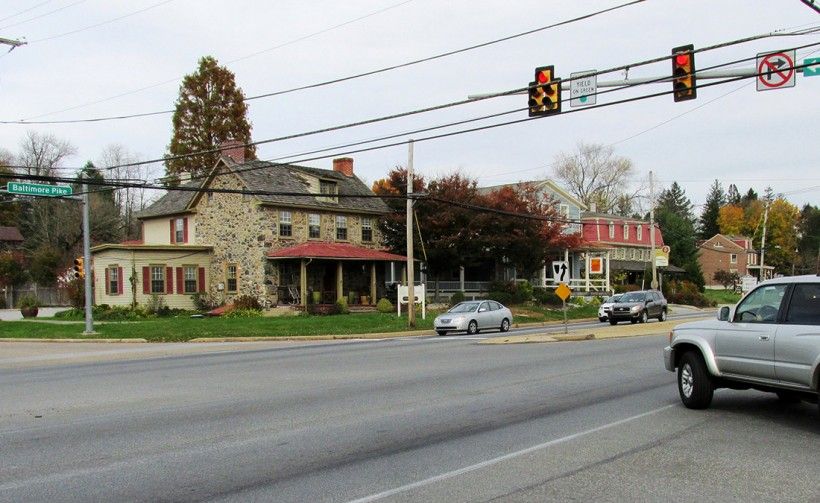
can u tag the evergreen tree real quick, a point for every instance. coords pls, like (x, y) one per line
(210, 111)
(711, 210)
(732, 195)
(674, 199)
(679, 234)
(809, 244)
(748, 198)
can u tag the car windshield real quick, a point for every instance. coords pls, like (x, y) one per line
(464, 307)
(633, 297)
(614, 298)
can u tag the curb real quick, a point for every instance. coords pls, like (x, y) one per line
(13, 339)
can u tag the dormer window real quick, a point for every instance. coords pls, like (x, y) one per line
(639, 232)
(611, 230)
(626, 232)
(328, 189)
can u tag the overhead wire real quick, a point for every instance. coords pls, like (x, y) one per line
(38, 16)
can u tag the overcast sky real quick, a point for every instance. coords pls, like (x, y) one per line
(83, 62)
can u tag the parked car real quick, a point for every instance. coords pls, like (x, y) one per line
(639, 307)
(769, 341)
(472, 316)
(606, 307)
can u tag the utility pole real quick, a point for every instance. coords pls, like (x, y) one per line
(763, 241)
(654, 283)
(13, 43)
(411, 299)
(89, 320)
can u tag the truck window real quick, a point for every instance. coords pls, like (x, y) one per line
(804, 308)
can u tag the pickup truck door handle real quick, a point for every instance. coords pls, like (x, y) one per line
(764, 337)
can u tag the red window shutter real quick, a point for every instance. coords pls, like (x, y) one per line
(185, 230)
(202, 280)
(120, 286)
(172, 230)
(146, 280)
(107, 282)
(180, 286)
(169, 280)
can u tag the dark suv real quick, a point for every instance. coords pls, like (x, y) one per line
(639, 307)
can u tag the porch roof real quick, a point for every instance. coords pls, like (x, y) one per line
(338, 251)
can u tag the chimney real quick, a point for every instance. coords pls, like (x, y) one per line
(234, 149)
(343, 165)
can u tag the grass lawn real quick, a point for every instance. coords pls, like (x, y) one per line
(722, 296)
(184, 328)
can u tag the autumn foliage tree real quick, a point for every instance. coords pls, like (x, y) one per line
(210, 110)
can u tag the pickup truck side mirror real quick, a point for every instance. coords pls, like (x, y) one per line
(723, 314)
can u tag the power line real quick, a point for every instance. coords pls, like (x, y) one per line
(318, 84)
(26, 10)
(39, 16)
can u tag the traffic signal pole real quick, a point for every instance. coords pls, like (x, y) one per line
(89, 318)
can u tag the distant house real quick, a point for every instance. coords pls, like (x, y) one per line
(298, 234)
(10, 238)
(729, 253)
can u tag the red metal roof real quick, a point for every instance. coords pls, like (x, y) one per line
(340, 251)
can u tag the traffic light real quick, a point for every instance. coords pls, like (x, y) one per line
(545, 92)
(683, 73)
(79, 269)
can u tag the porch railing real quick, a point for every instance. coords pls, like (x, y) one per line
(582, 284)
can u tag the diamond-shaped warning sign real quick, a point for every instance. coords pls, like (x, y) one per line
(563, 291)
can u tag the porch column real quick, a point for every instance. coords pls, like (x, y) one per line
(373, 283)
(543, 277)
(461, 278)
(303, 283)
(587, 270)
(607, 271)
(339, 285)
(404, 274)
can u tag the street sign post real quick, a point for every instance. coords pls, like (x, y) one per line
(37, 189)
(583, 88)
(775, 70)
(563, 292)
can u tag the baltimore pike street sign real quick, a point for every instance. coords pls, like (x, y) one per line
(36, 189)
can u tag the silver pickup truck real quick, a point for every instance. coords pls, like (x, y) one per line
(769, 341)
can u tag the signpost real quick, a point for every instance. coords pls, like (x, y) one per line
(38, 189)
(583, 88)
(775, 70)
(563, 292)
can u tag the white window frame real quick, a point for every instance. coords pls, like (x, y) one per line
(341, 225)
(626, 232)
(367, 225)
(113, 279)
(314, 222)
(611, 230)
(285, 224)
(733, 258)
(158, 277)
(229, 277)
(639, 232)
(179, 230)
(185, 278)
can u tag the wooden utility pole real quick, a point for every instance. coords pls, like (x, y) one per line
(13, 43)
(411, 299)
(654, 283)
(763, 242)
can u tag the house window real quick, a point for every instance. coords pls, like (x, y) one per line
(367, 229)
(179, 230)
(314, 226)
(285, 224)
(328, 188)
(113, 280)
(189, 277)
(639, 232)
(733, 258)
(626, 232)
(231, 278)
(341, 228)
(611, 230)
(564, 209)
(157, 279)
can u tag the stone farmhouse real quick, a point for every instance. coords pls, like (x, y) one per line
(285, 235)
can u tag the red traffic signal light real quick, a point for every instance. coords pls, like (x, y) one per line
(683, 73)
(545, 92)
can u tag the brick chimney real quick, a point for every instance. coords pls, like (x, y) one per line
(343, 165)
(234, 149)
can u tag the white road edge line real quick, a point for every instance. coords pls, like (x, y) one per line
(489, 462)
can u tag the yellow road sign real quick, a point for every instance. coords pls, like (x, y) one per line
(563, 291)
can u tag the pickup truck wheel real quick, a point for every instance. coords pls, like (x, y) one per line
(786, 397)
(694, 382)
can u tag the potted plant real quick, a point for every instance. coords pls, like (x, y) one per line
(365, 300)
(29, 306)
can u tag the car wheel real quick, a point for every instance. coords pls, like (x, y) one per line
(441, 332)
(505, 325)
(787, 397)
(472, 328)
(633, 320)
(662, 316)
(694, 382)
(602, 320)
(644, 317)
(613, 322)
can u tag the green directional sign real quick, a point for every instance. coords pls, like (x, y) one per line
(37, 189)
(812, 68)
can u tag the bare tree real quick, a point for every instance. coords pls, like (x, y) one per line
(597, 177)
(40, 154)
(129, 200)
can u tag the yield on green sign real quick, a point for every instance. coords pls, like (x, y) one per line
(812, 68)
(37, 189)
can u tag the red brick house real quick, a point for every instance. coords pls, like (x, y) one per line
(728, 253)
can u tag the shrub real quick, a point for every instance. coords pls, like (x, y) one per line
(243, 313)
(505, 298)
(203, 302)
(156, 305)
(546, 296)
(75, 290)
(631, 287)
(456, 298)
(522, 292)
(245, 302)
(727, 279)
(385, 306)
(517, 292)
(685, 292)
(341, 306)
(28, 302)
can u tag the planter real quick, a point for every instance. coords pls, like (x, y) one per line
(29, 312)
(317, 297)
(365, 300)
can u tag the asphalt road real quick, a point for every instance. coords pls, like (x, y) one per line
(409, 419)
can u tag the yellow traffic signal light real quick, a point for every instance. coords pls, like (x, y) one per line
(545, 92)
(79, 268)
(683, 73)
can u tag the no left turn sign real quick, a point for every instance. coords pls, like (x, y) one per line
(775, 70)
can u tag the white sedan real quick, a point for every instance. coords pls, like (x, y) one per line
(472, 316)
(606, 307)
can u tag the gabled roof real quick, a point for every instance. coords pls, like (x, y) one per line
(338, 251)
(608, 216)
(10, 234)
(724, 240)
(274, 177)
(538, 184)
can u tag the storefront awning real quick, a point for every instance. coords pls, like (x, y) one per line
(335, 251)
(640, 266)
